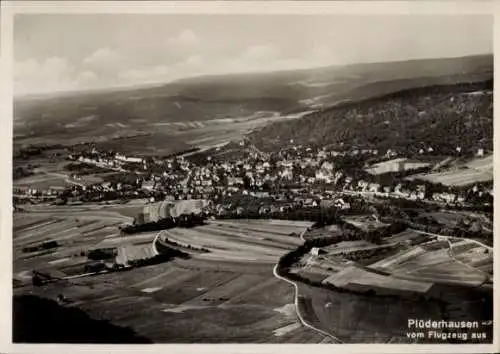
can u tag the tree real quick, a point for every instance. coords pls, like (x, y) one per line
(247, 182)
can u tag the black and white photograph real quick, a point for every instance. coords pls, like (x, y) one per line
(246, 178)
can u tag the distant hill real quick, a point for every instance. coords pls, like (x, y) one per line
(339, 82)
(208, 98)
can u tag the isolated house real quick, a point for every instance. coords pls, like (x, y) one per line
(316, 251)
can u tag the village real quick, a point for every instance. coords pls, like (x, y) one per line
(299, 176)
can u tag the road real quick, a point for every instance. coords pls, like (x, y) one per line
(301, 236)
(296, 302)
(155, 250)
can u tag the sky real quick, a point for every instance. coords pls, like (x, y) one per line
(78, 52)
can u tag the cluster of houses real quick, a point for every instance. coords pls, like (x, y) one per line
(302, 171)
(109, 161)
(52, 191)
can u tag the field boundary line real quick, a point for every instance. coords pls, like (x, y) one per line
(296, 303)
(452, 256)
(448, 237)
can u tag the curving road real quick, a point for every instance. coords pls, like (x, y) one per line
(296, 301)
(155, 250)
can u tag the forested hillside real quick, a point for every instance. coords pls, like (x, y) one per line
(443, 117)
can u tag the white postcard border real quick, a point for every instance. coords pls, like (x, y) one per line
(8, 11)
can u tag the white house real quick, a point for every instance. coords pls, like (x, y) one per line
(374, 187)
(323, 175)
(315, 251)
(123, 158)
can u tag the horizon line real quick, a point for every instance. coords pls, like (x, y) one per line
(59, 93)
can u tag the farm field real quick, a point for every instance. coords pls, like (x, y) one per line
(250, 240)
(89, 179)
(43, 165)
(395, 165)
(485, 163)
(274, 226)
(225, 299)
(475, 171)
(441, 262)
(316, 274)
(75, 232)
(367, 319)
(410, 236)
(186, 301)
(362, 319)
(472, 255)
(127, 253)
(52, 172)
(364, 222)
(229, 295)
(319, 267)
(357, 276)
(41, 182)
(453, 218)
(327, 231)
(139, 137)
(407, 263)
(123, 213)
(130, 209)
(351, 246)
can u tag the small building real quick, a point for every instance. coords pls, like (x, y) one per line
(123, 158)
(316, 251)
(340, 203)
(130, 254)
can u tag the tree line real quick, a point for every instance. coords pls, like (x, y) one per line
(186, 221)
